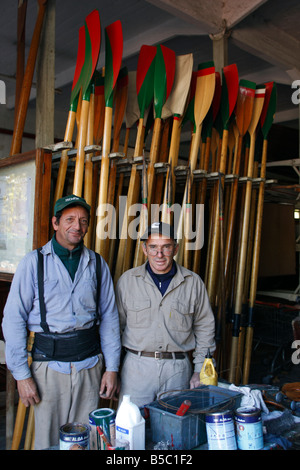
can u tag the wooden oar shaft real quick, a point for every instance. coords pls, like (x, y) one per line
(64, 159)
(104, 172)
(27, 82)
(80, 157)
(255, 263)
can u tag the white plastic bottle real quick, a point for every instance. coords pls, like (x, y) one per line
(130, 425)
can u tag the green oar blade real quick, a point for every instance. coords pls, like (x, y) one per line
(165, 64)
(93, 28)
(145, 77)
(113, 59)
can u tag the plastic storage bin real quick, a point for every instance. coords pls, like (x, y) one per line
(188, 431)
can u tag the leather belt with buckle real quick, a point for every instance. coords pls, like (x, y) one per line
(158, 354)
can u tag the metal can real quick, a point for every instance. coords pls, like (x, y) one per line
(249, 428)
(74, 436)
(220, 431)
(106, 419)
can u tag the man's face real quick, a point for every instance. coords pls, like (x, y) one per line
(160, 251)
(72, 226)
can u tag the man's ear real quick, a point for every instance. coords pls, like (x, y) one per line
(54, 222)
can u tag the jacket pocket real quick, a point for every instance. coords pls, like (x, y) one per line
(139, 313)
(181, 316)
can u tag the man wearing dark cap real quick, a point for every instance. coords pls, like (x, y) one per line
(164, 314)
(71, 318)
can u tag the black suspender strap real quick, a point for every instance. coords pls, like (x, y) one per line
(98, 274)
(43, 323)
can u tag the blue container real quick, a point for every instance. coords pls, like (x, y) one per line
(188, 431)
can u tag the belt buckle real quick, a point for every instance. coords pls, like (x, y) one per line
(157, 355)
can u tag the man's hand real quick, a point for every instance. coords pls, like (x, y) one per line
(28, 392)
(195, 380)
(109, 385)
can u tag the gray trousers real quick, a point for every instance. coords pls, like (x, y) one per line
(65, 398)
(144, 378)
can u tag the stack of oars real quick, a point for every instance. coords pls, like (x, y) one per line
(226, 115)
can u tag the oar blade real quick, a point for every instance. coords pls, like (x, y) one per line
(145, 77)
(165, 65)
(76, 85)
(176, 102)
(93, 26)
(244, 105)
(269, 109)
(230, 86)
(205, 88)
(113, 59)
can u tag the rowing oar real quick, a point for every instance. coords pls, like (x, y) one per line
(131, 118)
(21, 411)
(88, 166)
(27, 81)
(230, 84)
(207, 131)
(243, 116)
(99, 107)
(113, 60)
(175, 106)
(144, 93)
(205, 88)
(92, 50)
(63, 165)
(120, 100)
(266, 120)
(258, 104)
(243, 113)
(164, 74)
(139, 255)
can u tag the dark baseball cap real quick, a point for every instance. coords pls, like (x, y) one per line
(72, 200)
(159, 227)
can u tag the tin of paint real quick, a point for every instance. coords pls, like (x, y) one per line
(220, 431)
(249, 430)
(74, 436)
(106, 419)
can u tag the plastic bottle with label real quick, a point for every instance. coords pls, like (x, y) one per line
(130, 425)
(208, 374)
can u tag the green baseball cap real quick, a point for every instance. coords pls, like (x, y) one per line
(72, 200)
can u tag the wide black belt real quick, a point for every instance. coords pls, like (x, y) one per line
(158, 354)
(66, 347)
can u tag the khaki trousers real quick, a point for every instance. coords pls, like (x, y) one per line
(65, 398)
(144, 378)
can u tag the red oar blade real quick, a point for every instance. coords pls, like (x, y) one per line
(244, 105)
(113, 59)
(79, 64)
(165, 65)
(145, 77)
(230, 86)
(92, 22)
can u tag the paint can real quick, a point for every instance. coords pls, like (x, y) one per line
(74, 436)
(105, 418)
(249, 428)
(220, 431)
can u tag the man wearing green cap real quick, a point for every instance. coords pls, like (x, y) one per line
(75, 323)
